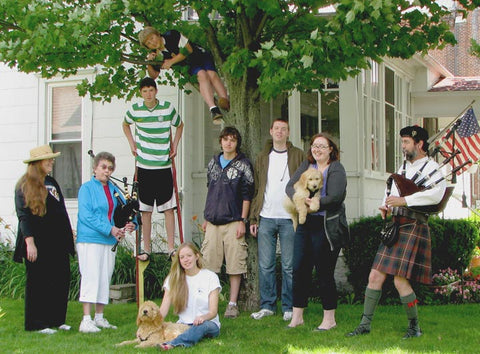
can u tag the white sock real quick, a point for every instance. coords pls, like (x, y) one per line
(213, 107)
(98, 316)
(87, 318)
(232, 303)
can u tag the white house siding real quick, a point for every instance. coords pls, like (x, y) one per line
(18, 133)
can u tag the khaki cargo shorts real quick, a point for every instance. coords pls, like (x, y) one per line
(220, 241)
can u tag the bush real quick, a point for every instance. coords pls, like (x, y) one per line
(12, 274)
(453, 242)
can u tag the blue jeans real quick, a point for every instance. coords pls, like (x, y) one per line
(195, 333)
(268, 229)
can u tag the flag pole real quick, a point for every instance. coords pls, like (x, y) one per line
(435, 137)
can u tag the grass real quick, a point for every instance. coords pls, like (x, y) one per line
(447, 329)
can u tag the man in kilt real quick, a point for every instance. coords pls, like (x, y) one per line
(409, 259)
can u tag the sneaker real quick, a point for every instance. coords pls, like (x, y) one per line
(88, 326)
(103, 323)
(65, 327)
(217, 116)
(262, 313)
(287, 315)
(231, 311)
(224, 103)
(47, 331)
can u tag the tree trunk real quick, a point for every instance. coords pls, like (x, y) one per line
(245, 116)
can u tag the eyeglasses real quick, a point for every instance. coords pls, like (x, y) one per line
(106, 167)
(322, 147)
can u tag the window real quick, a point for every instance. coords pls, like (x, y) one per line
(65, 136)
(386, 108)
(372, 113)
(320, 113)
(390, 134)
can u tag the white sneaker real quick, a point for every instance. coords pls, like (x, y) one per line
(262, 313)
(287, 315)
(103, 323)
(88, 326)
(65, 327)
(47, 331)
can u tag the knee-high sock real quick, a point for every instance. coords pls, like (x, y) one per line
(371, 300)
(410, 304)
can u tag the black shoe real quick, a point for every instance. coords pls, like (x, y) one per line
(413, 330)
(360, 330)
(217, 116)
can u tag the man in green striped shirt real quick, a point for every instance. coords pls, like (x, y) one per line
(153, 148)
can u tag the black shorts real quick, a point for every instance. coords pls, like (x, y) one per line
(154, 186)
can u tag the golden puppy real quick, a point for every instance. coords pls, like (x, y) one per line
(308, 186)
(151, 328)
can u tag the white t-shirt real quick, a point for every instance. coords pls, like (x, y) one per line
(199, 288)
(277, 179)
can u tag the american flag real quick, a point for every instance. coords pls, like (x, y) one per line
(466, 139)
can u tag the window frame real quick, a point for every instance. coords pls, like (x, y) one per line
(45, 120)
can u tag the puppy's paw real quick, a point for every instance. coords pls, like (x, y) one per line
(302, 219)
(314, 205)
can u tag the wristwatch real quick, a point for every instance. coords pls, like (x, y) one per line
(245, 220)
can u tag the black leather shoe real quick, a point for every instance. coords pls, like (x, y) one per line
(360, 330)
(413, 330)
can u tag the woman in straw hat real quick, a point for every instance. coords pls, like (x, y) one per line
(44, 242)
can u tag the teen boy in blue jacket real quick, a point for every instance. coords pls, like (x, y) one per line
(230, 189)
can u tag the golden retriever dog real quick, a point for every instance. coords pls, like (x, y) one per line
(151, 328)
(308, 186)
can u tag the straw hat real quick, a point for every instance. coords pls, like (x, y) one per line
(43, 152)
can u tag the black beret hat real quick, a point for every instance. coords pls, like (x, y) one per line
(415, 132)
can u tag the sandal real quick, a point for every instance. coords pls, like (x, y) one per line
(141, 254)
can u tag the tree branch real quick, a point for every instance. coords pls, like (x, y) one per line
(212, 40)
(133, 59)
(260, 27)
(8, 25)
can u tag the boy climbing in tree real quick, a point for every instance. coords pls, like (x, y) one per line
(177, 49)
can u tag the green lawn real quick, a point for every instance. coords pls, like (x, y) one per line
(447, 329)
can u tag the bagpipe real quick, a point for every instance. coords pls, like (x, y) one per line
(406, 186)
(417, 183)
(126, 208)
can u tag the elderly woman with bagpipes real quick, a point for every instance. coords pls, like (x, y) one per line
(97, 234)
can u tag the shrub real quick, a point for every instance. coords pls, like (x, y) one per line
(12, 274)
(453, 242)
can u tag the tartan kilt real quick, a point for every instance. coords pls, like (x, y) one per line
(410, 257)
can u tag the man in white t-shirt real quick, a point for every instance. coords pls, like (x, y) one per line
(269, 220)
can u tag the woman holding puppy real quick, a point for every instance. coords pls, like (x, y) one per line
(193, 291)
(318, 241)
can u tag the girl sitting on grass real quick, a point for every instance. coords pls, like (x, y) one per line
(193, 291)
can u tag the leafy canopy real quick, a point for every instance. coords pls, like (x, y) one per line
(270, 45)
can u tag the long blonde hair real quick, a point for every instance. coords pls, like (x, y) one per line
(32, 184)
(178, 280)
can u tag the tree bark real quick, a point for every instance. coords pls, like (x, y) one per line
(245, 116)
